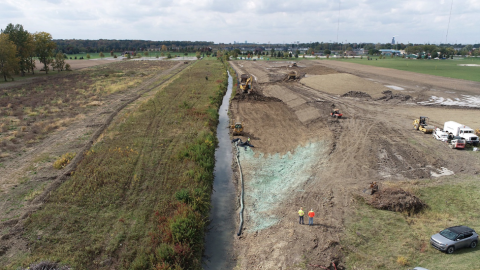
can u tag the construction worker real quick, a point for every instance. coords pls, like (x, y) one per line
(311, 214)
(300, 215)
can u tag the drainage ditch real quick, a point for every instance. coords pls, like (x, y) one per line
(219, 238)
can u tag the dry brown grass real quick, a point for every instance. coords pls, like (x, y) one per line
(29, 112)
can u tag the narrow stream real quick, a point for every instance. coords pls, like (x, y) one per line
(219, 238)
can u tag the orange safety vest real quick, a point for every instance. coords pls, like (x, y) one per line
(311, 214)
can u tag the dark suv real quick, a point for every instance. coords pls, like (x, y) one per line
(454, 238)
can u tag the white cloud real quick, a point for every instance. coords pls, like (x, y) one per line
(416, 21)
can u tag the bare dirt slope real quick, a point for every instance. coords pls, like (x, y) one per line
(304, 158)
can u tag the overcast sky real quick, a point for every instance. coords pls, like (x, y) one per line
(415, 21)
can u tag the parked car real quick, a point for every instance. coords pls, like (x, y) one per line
(457, 142)
(440, 135)
(454, 238)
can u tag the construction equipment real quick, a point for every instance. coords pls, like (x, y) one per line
(373, 188)
(291, 75)
(246, 83)
(237, 129)
(421, 124)
(293, 65)
(336, 113)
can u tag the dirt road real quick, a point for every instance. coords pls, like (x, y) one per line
(304, 158)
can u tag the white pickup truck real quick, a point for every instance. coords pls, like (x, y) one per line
(440, 135)
(457, 129)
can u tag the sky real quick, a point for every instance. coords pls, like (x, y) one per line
(258, 21)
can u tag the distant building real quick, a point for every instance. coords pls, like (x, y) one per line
(359, 51)
(390, 52)
(393, 40)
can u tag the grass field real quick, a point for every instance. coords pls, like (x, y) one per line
(378, 239)
(445, 68)
(140, 197)
(29, 112)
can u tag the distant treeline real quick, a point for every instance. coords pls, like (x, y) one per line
(74, 46)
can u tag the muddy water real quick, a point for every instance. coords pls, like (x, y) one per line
(219, 238)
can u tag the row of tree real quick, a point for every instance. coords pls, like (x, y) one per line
(74, 46)
(19, 49)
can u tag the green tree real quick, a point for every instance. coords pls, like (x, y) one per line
(198, 55)
(101, 55)
(169, 55)
(44, 47)
(88, 56)
(9, 63)
(145, 53)
(327, 51)
(59, 62)
(24, 43)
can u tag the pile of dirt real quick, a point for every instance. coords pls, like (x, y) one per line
(397, 200)
(388, 95)
(356, 94)
(254, 96)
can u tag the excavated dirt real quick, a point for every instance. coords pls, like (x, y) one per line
(397, 200)
(388, 95)
(356, 94)
(304, 158)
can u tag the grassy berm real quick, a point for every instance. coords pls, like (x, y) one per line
(140, 198)
(379, 239)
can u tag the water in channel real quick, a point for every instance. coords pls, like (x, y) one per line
(219, 238)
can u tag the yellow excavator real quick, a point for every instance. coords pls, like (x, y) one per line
(237, 129)
(421, 124)
(246, 83)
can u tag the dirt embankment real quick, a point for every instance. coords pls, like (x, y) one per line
(304, 158)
